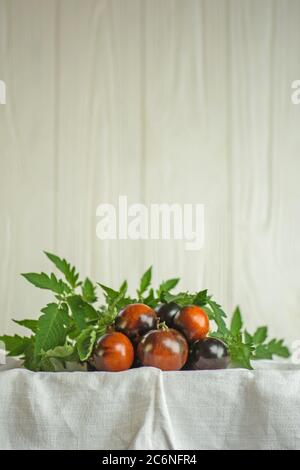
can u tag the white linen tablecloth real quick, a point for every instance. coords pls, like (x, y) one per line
(149, 409)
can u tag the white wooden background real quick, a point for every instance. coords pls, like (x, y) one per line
(162, 101)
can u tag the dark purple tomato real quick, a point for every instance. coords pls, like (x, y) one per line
(90, 366)
(166, 312)
(208, 353)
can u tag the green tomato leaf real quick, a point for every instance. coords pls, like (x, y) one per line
(15, 345)
(43, 281)
(262, 352)
(248, 338)
(30, 324)
(82, 312)
(150, 299)
(64, 267)
(88, 291)
(201, 298)
(260, 335)
(85, 343)
(62, 352)
(110, 293)
(46, 365)
(30, 360)
(277, 348)
(116, 299)
(123, 288)
(168, 285)
(51, 331)
(240, 354)
(218, 317)
(145, 281)
(236, 322)
(183, 298)
(68, 321)
(215, 334)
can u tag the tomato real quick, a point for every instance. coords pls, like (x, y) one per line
(167, 312)
(135, 320)
(164, 349)
(192, 321)
(113, 353)
(208, 353)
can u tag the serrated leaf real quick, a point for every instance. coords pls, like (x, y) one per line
(218, 317)
(110, 293)
(211, 315)
(62, 352)
(81, 311)
(150, 299)
(106, 319)
(116, 299)
(216, 306)
(240, 354)
(248, 338)
(260, 335)
(262, 352)
(30, 324)
(123, 287)
(43, 281)
(215, 334)
(236, 322)
(88, 291)
(85, 343)
(182, 299)
(74, 331)
(68, 321)
(51, 331)
(201, 298)
(168, 285)
(15, 345)
(145, 281)
(277, 348)
(63, 266)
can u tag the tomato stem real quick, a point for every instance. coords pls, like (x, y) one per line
(162, 326)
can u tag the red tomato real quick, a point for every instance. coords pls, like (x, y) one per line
(164, 349)
(113, 353)
(193, 322)
(135, 320)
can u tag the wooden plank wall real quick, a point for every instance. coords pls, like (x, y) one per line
(184, 101)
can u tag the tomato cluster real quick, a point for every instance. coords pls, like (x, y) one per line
(169, 338)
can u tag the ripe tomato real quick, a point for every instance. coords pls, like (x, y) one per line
(164, 349)
(209, 353)
(193, 322)
(135, 320)
(167, 312)
(113, 353)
